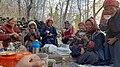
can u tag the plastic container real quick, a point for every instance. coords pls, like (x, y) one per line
(11, 47)
(36, 47)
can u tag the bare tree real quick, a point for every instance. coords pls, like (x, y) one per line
(87, 8)
(61, 4)
(66, 9)
(79, 8)
(19, 8)
(29, 4)
(43, 8)
(94, 8)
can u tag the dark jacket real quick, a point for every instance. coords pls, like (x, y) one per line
(46, 39)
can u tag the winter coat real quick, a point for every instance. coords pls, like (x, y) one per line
(46, 39)
(5, 37)
(113, 30)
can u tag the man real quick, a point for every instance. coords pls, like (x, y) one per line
(9, 32)
(110, 22)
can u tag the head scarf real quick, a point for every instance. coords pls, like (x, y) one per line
(111, 3)
(81, 23)
(94, 27)
(47, 21)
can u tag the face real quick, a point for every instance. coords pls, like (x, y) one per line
(81, 27)
(111, 10)
(50, 23)
(13, 22)
(32, 26)
(66, 24)
(89, 26)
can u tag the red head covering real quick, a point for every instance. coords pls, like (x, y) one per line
(81, 23)
(50, 19)
(111, 3)
(92, 20)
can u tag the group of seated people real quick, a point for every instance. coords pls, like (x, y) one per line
(88, 45)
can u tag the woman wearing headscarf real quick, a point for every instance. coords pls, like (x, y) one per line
(32, 35)
(93, 44)
(49, 34)
(111, 24)
(67, 31)
(10, 33)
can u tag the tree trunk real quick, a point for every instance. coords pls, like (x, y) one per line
(19, 8)
(79, 8)
(87, 8)
(28, 9)
(94, 8)
(43, 7)
(98, 11)
(66, 9)
(61, 12)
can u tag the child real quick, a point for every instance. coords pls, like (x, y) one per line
(31, 36)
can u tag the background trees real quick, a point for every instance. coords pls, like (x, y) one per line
(59, 10)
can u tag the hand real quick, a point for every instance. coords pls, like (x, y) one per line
(82, 51)
(111, 41)
(14, 35)
(30, 61)
(50, 34)
(32, 38)
(75, 37)
(63, 37)
(85, 38)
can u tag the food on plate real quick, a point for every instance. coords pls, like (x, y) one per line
(7, 53)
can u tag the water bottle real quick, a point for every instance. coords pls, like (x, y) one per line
(11, 47)
(36, 47)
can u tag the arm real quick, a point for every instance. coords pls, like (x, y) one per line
(4, 36)
(118, 37)
(55, 32)
(97, 43)
(19, 33)
(43, 34)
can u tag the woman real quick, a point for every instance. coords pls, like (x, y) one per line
(78, 46)
(66, 32)
(32, 35)
(112, 28)
(93, 44)
(49, 34)
(9, 32)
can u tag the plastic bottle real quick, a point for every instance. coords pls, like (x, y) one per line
(11, 47)
(36, 47)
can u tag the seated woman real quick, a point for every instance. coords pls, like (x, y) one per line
(78, 46)
(31, 36)
(93, 44)
(10, 32)
(49, 34)
(66, 32)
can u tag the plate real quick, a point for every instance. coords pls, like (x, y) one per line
(7, 53)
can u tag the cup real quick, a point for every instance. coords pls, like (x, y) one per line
(44, 57)
(47, 31)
